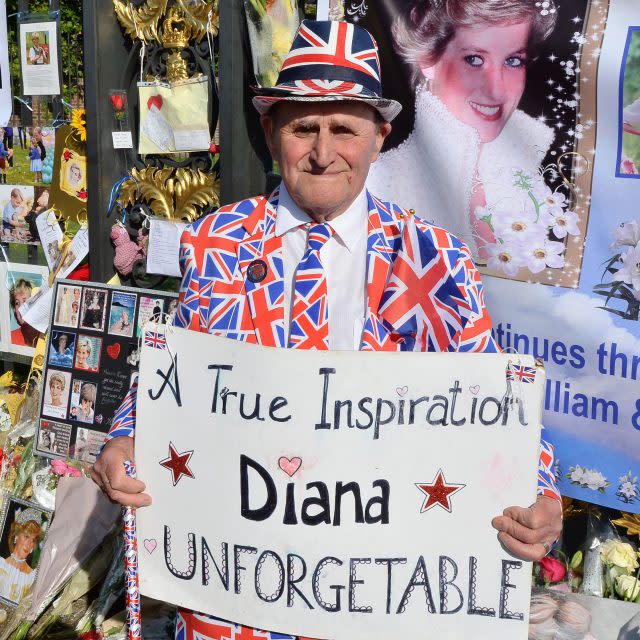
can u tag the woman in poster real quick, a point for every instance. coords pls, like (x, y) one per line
(470, 59)
(16, 576)
(83, 353)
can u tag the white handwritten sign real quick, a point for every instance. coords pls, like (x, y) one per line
(335, 494)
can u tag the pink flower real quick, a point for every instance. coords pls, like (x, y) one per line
(552, 570)
(61, 468)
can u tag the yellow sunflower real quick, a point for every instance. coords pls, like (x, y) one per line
(79, 123)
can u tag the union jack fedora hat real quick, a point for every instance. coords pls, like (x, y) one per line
(328, 61)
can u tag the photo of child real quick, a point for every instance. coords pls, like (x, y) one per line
(56, 393)
(16, 202)
(36, 161)
(67, 305)
(88, 354)
(94, 308)
(122, 314)
(83, 403)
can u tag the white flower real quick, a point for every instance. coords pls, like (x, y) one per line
(505, 257)
(629, 272)
(518, 226)
(562, 223)
(594, 479)
(628, 490)
(544, 254)
(577, 474)
(626, 235)
(553, 202)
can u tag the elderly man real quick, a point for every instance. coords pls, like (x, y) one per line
(308, 266)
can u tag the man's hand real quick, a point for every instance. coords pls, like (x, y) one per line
(109, 474)
(526, 531)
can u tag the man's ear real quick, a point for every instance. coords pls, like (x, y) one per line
(384, 129)
(268, 127)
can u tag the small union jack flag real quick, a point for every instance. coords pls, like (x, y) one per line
(521, 373)
(155, 339)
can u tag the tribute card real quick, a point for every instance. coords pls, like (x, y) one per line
(92, 359)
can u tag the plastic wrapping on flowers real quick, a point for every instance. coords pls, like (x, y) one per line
(605, 565)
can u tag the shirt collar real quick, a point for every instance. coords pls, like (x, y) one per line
(348, 226)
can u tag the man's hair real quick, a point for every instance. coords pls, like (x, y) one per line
(85, 343)
(59, 378)
(19, 285)
(422, 34)
(88, 392)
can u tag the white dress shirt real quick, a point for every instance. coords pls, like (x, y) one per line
(344, 260)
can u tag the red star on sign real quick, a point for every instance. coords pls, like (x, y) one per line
(178, 463)
(438, 492)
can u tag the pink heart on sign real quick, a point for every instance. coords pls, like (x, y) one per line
(474, 389)
(402, 391)
(150, 545)
(290, 465)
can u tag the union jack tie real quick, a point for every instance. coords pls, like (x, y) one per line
(310, 314)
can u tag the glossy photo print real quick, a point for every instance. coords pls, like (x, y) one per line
(24, 529)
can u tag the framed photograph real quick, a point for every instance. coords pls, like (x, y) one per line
(24, 528)
(122, 314)
(62, 345)
(39, 58)
(67, 309)
(19, 284)
(94, 309)
(87, 356)
(83, 401)
(73, 174)
(54, 438)
(56, 393)
(16, 203)
(628, 165)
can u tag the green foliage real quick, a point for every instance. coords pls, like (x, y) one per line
(71, 36)
(631, 92)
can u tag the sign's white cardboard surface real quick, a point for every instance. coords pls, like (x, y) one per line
(335, 495)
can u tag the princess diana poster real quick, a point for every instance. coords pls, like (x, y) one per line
(520, 133)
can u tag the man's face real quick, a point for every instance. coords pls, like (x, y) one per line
(324, 150)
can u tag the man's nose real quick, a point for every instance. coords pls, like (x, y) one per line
(323, 151)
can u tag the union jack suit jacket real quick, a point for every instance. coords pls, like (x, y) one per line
(423, 294)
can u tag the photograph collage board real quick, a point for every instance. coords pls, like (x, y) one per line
(92, 358)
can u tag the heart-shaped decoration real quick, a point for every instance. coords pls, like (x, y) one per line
(113, 350)
(402, 391)
(474, 389)
(155, 101)
(150, 545)
(290, 465)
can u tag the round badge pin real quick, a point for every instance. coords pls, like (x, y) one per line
(257, 271)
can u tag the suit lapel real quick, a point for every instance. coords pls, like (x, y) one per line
(260, 262)
(383, 237)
